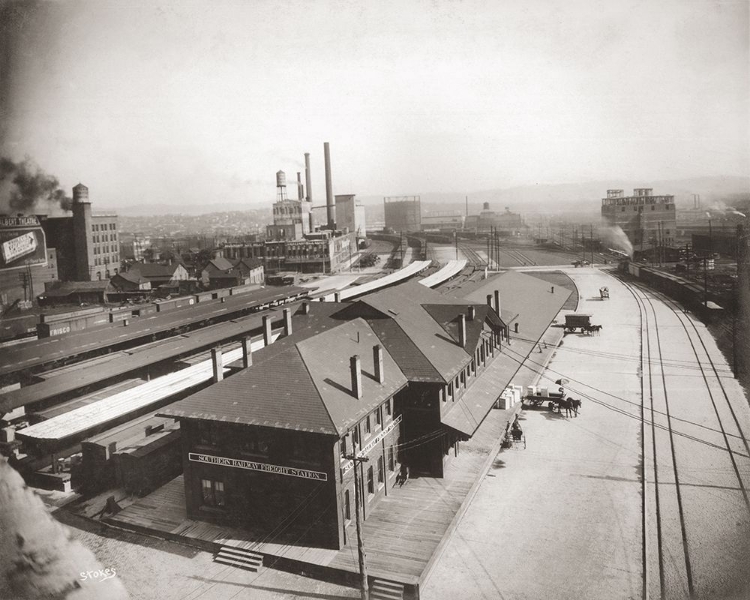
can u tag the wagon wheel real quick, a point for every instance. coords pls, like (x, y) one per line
(551, 405)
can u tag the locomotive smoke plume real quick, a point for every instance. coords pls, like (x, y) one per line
(25, 188)
(616, 238)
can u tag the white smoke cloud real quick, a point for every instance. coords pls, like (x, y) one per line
(615, 238)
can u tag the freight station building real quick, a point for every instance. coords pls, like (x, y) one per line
(400, 377)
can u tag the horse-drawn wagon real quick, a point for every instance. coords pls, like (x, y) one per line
(604, 292)
(536, 398)
(582, 322)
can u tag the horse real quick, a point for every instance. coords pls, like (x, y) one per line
(593, 329)
(571, 406)
(575, 404)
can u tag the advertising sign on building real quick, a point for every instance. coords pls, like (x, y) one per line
(22, 243)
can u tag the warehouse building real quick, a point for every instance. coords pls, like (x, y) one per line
(387, 378)
(646, 219)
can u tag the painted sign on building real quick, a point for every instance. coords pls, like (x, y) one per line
(22, 243)
(250, 465)
(372, 443)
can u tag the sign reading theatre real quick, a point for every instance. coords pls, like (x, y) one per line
(238, 463)
(22, 243)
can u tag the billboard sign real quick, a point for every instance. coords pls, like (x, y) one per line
(22, 243)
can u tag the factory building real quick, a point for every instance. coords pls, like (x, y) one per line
(294, 242)
(646, 219)
(87, 243)
(403, 213)
(350, 215)
(505, 223)
(391, 377)
(449, 220)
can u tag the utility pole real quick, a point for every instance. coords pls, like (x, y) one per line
(455, 237)
(363, 586)
(591, 241)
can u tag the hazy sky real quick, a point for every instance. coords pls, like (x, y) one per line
(199, 102)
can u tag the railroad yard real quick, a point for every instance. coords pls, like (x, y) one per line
(643, 493)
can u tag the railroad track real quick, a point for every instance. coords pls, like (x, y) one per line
(472, 256)
(669, 558)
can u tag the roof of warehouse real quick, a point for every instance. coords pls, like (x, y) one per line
(406, 305)
(527, 297)
(129, 360)
(49, 349)
(304, 385)
(155, 270)
(65, 288)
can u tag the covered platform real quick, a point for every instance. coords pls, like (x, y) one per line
(112, 337)
(451, 269)
(391, 279)
(72, 426)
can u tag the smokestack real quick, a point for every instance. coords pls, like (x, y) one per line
(356, 368)
(337, 296)
(472, 313)
(489, 300)
(329, 186)
(247, 353)
(305, 308)
(216, 362)
(308, 179)
(377, 358)
(300, 190)
(267, 330)
(462, 330)
(497, 302)
(287, 322)
(516, 325)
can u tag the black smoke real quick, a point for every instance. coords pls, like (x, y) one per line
(26, 188)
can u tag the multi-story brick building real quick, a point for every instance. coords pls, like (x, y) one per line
(87, 243)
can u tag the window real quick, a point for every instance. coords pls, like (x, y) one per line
(391, 459)
(370, 481)
(347, 506)
(388, 409)
(343, 446)
(368, 426)
(381, 473)
(450, 389)
(378, 416)
(355, 437)
(213, 492)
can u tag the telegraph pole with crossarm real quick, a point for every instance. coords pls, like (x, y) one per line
(364, 588)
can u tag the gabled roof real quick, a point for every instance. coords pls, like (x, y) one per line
(133, 276)
(303, 385)
(218, 265)
(447, 315)
(405, 304)
(154, 270)
(245, 265)
(523, 299)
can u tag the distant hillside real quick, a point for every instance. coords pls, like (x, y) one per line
(581, 197)
(556, 198)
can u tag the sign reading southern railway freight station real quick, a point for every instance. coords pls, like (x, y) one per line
(256, 466)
